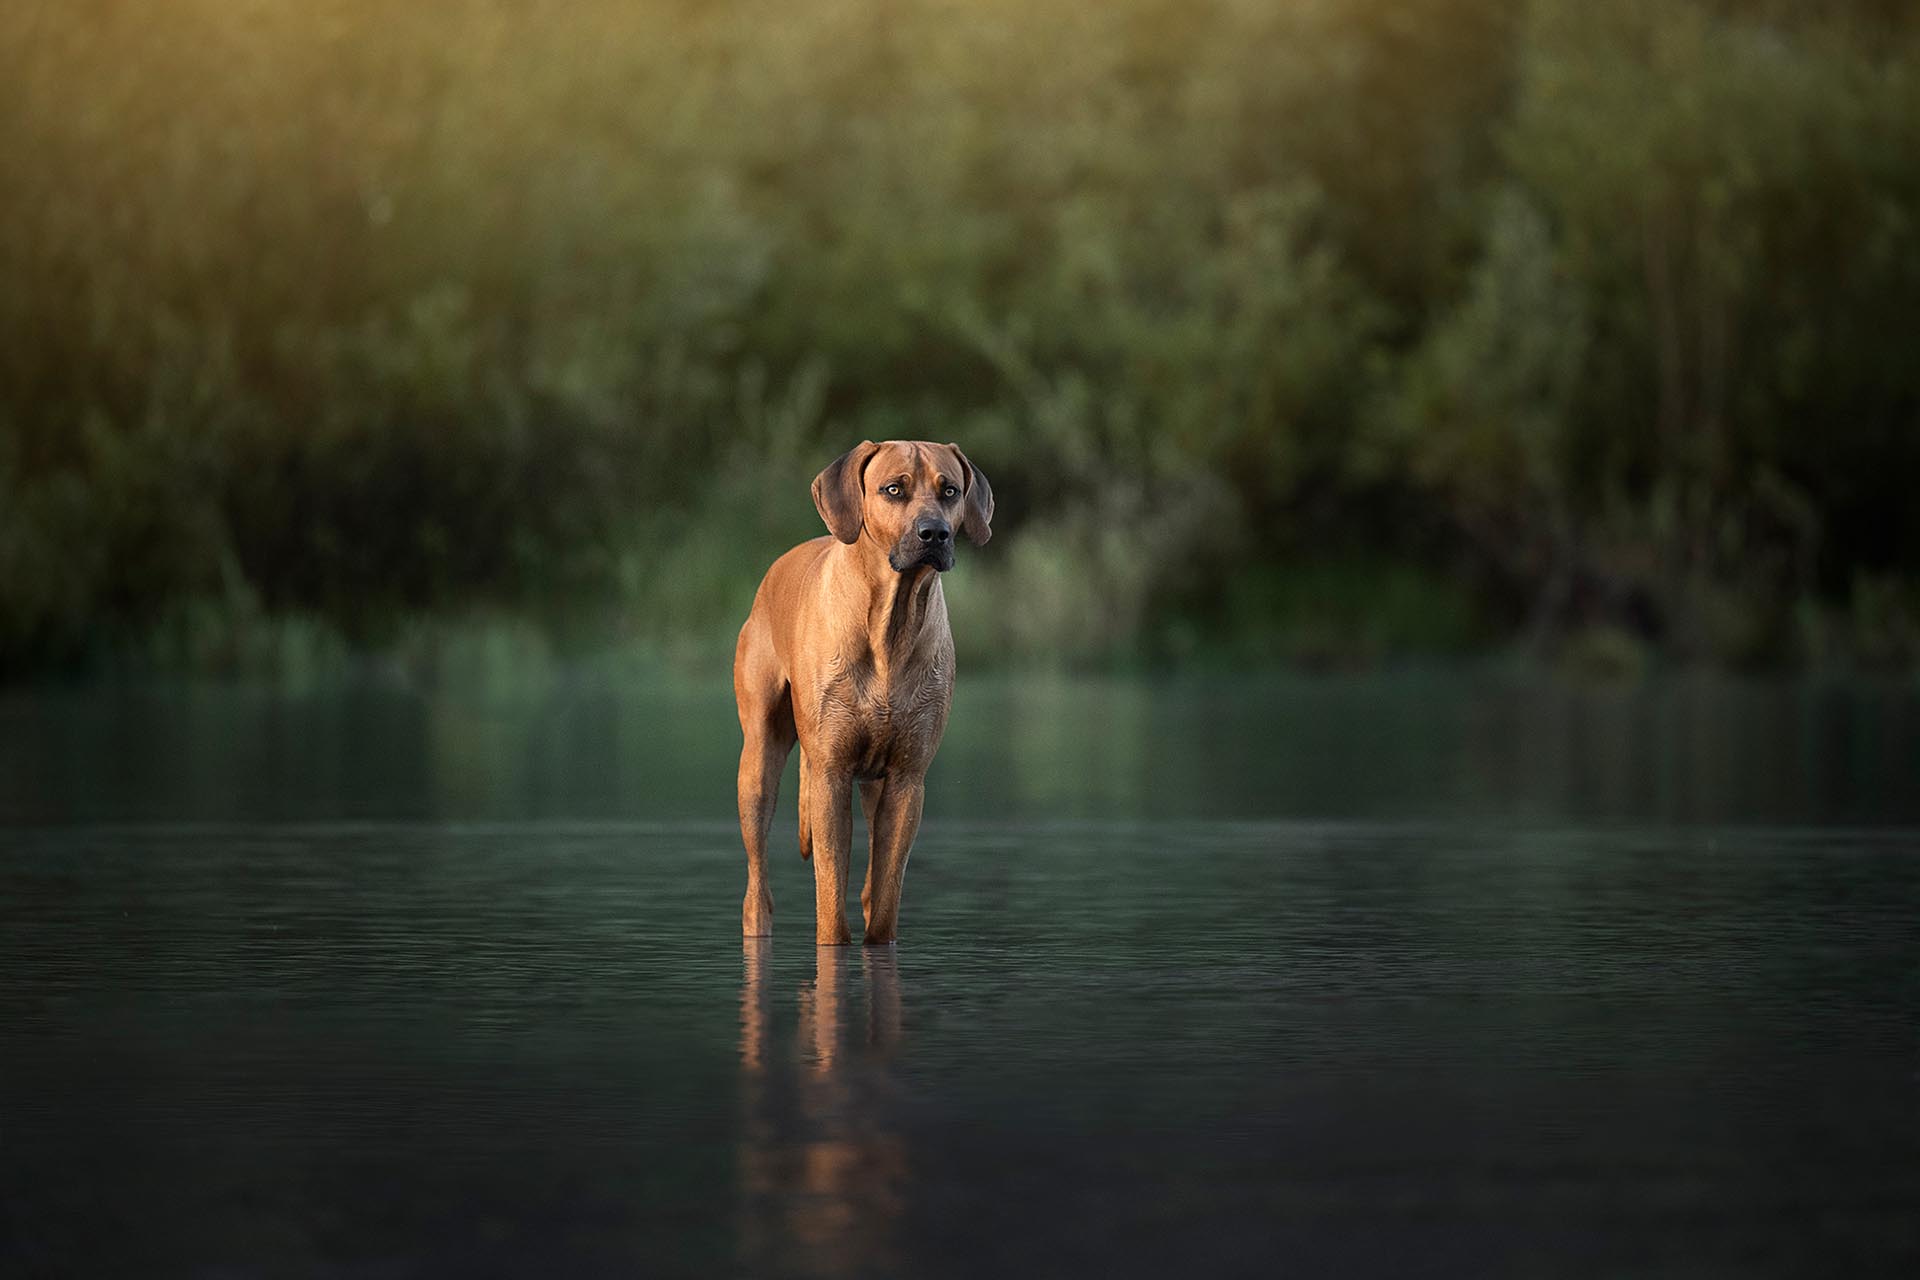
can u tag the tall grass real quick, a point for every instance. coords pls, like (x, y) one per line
(1287, 331)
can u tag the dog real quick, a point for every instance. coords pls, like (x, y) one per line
(847, 651)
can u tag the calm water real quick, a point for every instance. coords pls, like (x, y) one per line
(1415, 974)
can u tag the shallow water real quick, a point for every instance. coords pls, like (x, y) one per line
(1397, 975)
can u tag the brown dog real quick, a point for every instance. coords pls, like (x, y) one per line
(847, 650)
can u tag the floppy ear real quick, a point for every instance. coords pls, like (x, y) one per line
(836, 491)
(977, 522)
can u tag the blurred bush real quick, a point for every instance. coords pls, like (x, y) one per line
(1288, 331)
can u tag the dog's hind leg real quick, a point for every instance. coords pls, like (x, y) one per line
(871, 791)
(766, 727)
(762, 758)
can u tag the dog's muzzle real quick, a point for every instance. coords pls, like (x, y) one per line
(929, 541)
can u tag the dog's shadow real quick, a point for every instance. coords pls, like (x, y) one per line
(822, 1164)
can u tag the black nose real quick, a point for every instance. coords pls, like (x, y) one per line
(934, 531)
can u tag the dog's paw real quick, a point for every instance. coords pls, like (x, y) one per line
(756, 915)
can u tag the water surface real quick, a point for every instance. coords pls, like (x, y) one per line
(1430, 975)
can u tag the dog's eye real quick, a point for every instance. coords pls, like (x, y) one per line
(892, 491)
(948, 492)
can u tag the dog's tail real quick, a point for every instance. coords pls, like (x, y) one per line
(806, 824)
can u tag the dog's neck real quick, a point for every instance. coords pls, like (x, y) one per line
(897, 603)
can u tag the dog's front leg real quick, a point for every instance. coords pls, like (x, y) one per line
(894, 823)
(829, 793)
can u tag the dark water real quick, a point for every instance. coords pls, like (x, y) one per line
(1400, 975)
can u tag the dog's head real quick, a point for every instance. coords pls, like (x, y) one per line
(909, 496)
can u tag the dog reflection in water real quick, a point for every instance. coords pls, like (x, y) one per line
(822, 1168)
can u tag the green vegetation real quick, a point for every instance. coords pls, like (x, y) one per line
(1287, 331)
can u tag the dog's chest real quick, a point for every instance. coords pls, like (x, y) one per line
(876, 721)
